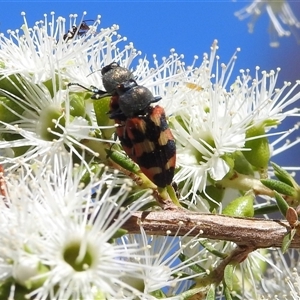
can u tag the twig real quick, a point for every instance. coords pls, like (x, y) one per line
(245, 232)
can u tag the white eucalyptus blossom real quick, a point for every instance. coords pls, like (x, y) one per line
(283, 284)
(166, 271)
(213, 119)
(57, 234)
(38, 52)
(280, 14)
(42, 123)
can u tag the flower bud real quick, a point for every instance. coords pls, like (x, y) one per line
(241, 164)
(12, 85)
(259, 154)
(101, 108)
(9, 110)
(28, 271)
(240, 207)
(77, 105)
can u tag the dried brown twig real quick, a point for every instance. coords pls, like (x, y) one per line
(246, 232)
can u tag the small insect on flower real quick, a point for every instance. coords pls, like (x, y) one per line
(82, 29)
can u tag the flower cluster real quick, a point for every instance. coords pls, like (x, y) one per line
(58, 233)
(68, 190)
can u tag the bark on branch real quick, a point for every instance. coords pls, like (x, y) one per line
(250, 232)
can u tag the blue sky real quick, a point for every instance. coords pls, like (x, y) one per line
(189, 27)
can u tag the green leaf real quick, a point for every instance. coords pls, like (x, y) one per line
(158, 294)
(95, 168)
(135, 196)
(266, 209)
(227, 293)
(9, 136)
(283, 175)
(13, 85)
(195, 267)
(9, 110)
(281, 203)
(119, 233)
(149, 205)
(123, 161)
(211, 294)
(208, 246)
(228, 276)
(286, 242)
(53, 84)
(278, 186)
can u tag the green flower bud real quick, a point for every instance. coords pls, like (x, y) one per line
(12, 85)
(211, 294)
(241, 164)
(259, 154)
(228, 276)
(9, 110)
(240, 207)
(101, 108)
(28, 273)
(230, 162)
(77, 105)
(284, 176)
(119, 233)
(20, 292)
(49, 85)
(13, 137)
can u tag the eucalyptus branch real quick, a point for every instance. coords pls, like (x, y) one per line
(250, 232)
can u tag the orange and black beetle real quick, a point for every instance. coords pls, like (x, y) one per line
(144, 133)
(141, 128)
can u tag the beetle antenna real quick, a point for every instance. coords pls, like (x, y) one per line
(82, 86)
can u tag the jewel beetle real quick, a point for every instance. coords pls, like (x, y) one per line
(142, 129)
(148, 141)
(144, 132)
